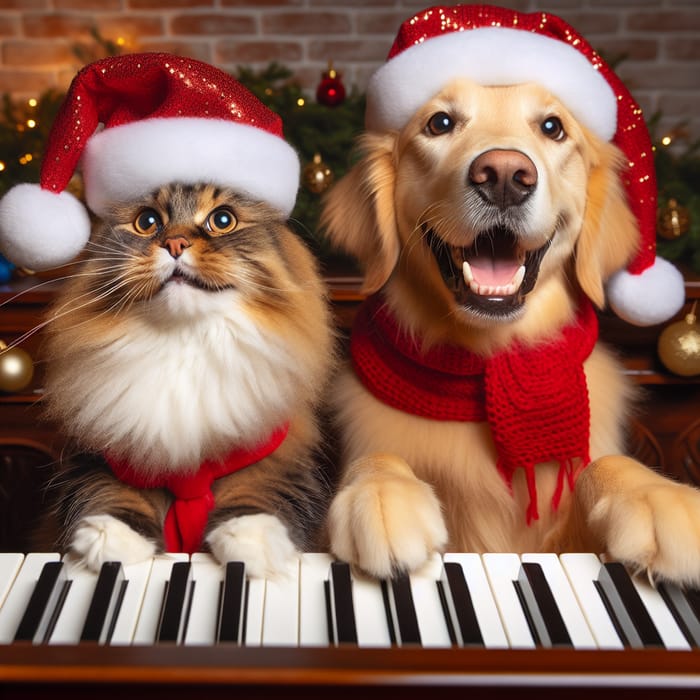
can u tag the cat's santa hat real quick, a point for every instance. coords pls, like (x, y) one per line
(496, 46)
(131, 124)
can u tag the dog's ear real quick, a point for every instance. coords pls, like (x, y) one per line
(609, 236)
(358, 211)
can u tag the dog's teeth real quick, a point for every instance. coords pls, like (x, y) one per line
(518, 278)
(467, 272)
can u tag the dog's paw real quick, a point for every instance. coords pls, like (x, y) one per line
(260, 540)
(101, 538)
(650, 523)
(385, 519)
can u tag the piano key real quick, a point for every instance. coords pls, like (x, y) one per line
(542, 606)
(106, 598)
(371, 618)
(434, 631)
(153, 597)
(582, 571)
(679, 602)
(342, 609)
(313, 618)
(173, 619)
(254, 611)
(627, 606)
(232, 605)
(502, 570)
(403, 612)
(18, 596)
(487, 613)
(38, 617)
(460, 606)
(136, 582)
(671, 634)
(207, 574)
(281, 615)
(10, 564)
(572, 614)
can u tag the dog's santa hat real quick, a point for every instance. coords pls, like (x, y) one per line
(133, 123)
(496, 46)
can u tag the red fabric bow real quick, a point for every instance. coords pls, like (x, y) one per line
(186, 518)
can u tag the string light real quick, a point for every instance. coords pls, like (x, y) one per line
(301, 102)
(2, 166)
(32, 102)
(666, 141)
(31, 123)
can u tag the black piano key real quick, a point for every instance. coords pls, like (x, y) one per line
(680, 603)
(542, 606)
(460, 606)
(627, 606)
(403, 611)
(42, 608)
(230, 626)
(341, 605)
(104, 603)
(175, 606)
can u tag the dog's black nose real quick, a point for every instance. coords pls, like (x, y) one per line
(503, 178)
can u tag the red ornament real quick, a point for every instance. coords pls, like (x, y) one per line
(330, 91)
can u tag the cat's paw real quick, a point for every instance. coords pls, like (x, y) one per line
(101, 538)
(385, 519)
(647, 521)
(260, 540)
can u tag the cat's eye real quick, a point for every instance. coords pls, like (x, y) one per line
(553, 128)
(440, 123)
(221, 221)
(148, 222)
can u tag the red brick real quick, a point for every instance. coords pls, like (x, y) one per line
(374, 51)
(25, 5)
(654, 76)
(89, 5)
(212, 24)
(36, 53)
(246, 4)
(130, 27)
(589, 24)
(200, 50)
(236, 52)
(306, 23)
(628, 49)
(168, 4)
(38, 26)
(9, 26)
(681, 49)
(26, 81)
(676, 21)
(380, 22)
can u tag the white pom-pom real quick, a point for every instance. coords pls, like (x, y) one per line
(39, 229)
(649, 298)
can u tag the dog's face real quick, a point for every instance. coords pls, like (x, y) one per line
(487, 195)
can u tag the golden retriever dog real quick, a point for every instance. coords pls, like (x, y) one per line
(484, 224)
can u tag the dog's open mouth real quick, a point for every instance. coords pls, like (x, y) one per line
(493, 275)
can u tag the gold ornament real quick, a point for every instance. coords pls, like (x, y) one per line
(317, 176)
(679, 346)
(674, 220)
(16, 368)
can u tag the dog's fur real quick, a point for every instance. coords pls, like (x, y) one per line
(413, 485)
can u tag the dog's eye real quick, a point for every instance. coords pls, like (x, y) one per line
(148, 222)
(440, 123)
(221, 221)
(553, 129)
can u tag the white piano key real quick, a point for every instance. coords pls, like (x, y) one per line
(313, 618)
(582, 570)
(136, 576)
(485, 606)
(574, 619)
(10, 564)
(668, 629)
(208, 576)
(370, 613)
(255, 611)
(71, 619)
(281, 614)
(20, 593)
(426, 600)
(147, 624)
(502, 570)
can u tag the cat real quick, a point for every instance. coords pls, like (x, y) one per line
(196, 324)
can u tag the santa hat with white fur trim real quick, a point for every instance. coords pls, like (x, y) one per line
(136, 122)
(496, 46)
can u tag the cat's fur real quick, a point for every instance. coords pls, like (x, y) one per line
(166, 360)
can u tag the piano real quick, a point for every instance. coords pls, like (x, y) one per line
(534, 624)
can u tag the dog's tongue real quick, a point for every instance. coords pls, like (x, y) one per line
(492, 271)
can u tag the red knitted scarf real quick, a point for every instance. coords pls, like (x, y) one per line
(186, 518)
(535, 398)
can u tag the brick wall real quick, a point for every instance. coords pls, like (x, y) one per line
(660, 39)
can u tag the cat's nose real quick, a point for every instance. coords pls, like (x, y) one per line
(176, 246)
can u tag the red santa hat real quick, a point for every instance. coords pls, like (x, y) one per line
(497, 46)
(131, 124)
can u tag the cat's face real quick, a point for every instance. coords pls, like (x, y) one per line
(171, 251)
